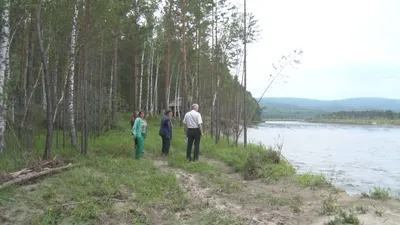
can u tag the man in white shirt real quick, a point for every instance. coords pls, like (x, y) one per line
(193, 131)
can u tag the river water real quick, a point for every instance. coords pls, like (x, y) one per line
(355, 157)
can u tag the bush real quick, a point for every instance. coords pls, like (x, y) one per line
(377, 193)
(267, 164)
(312, 180)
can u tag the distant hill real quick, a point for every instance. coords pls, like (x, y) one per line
(297, 108)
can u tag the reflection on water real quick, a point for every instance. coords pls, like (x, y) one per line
(356, 158)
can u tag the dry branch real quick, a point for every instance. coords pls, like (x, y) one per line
(34, 175)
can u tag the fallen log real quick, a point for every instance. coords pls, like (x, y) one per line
(35, 175)
(23, 171)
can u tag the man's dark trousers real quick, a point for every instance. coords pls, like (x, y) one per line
(166, 143)
(193, 135)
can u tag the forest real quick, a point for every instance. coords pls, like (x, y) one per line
(368, 114)
(72, 68)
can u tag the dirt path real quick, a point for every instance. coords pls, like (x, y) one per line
(251, 205)
(278, 204)
(200, 195)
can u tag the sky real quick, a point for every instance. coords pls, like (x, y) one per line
(351, 48)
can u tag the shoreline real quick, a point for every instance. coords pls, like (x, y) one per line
(342, 122)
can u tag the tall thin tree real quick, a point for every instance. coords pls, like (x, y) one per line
(185, 87)
(71, 76)
(4, 68)
(245, 76)
(85, 131)
(47, 81)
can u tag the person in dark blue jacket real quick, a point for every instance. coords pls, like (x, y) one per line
(166, 131)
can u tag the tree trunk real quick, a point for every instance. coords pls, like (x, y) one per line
(216, 101)
(114, 83)
(185, 87)
(198, 63)
(71, 111)
(169, 85)
(212, 69)
(100, 88)
(4, 69)
(245, 79)
(26, 80)
(179, 99)
(85, 134)
(141, 77)
(134, 85)
(148, 84)
(156, 84)
(47, 80)
(168, 61)
(110, 97)
(31, 92)
(28, 48)
(151, 81)
(176, 97)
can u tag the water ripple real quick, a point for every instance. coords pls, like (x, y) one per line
(356, 158)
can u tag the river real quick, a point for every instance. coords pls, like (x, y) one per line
(355, 157)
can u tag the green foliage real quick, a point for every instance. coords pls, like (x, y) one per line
(313, 181)
(330, 205)
(377, 193)
(344, 218)
(253, 162)
(299, 108)
(360, 117)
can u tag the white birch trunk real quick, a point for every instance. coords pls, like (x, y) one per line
(156, 84)
(151, 80)
(215, 96)
(141, 78)
(4, 69)
(72, 130)
(148, 85)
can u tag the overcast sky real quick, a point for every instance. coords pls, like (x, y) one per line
(351, 48)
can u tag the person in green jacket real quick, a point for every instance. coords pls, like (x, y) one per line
(139, 131)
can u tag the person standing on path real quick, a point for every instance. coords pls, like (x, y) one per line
(193, 131)
(139, 131)
(166, 132)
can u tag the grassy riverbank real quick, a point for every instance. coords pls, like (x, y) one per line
(227, 186)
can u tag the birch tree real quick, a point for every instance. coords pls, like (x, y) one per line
(4, 68)
(71, 76)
